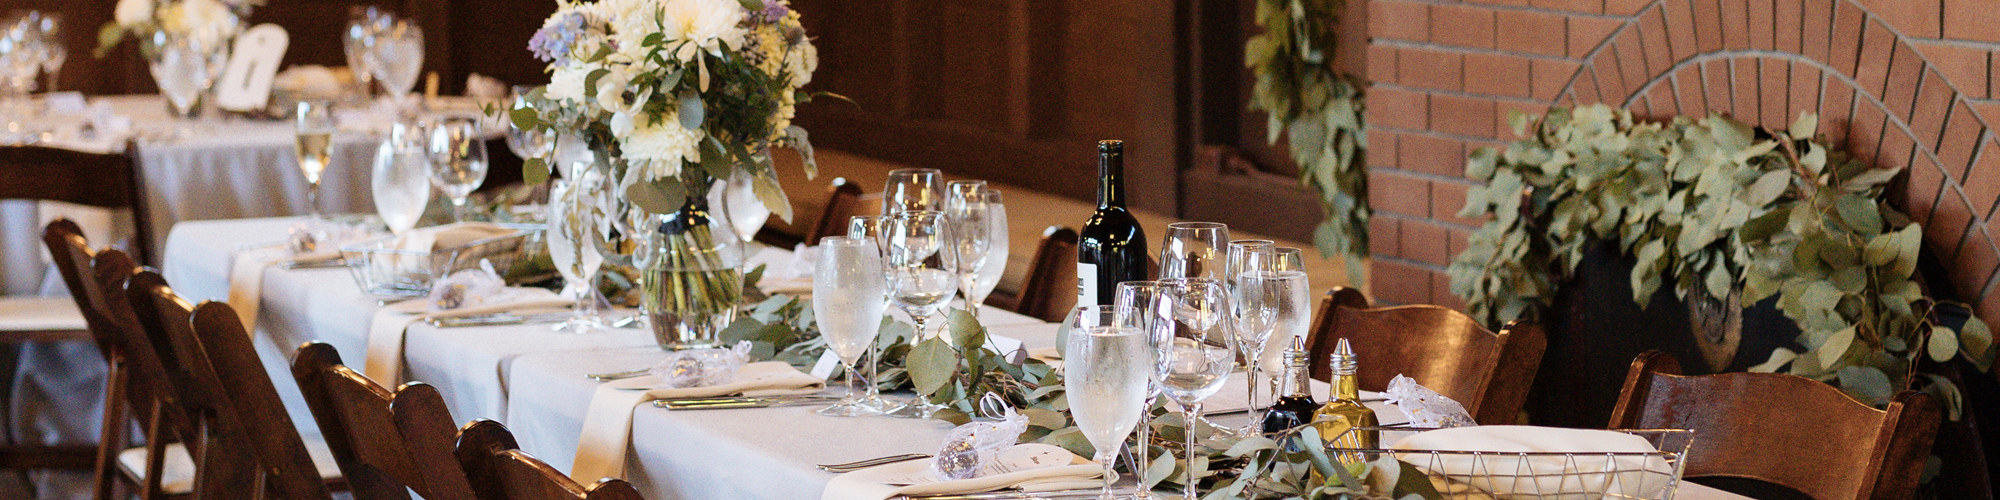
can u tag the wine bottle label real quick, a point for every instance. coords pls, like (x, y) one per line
(1086, 284)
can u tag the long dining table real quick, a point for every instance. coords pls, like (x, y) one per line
(533, 379)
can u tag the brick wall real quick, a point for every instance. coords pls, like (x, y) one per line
(1898, 82)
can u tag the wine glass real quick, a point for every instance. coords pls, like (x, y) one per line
(912, 189)
(1193, 250)
(355, 43)
(401, 178)
(1141, 299)
(571, 208)
(1197, 354)
(458, 160)
(1276, 259)
(970, 233)
(996, 250)
(49, 25)
(737, 198)
(1269, 298)
(1239, 250)
(527, 143)
(314, 126)
(870, 227)
(180, 66)
(1105, 374)
(919, 280)
(848, 299)
(622, 236)
(397, 56)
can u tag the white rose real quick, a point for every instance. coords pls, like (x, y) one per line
(704, 25)
(134, 12)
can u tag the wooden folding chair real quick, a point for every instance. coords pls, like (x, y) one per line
(844, 201)
(387, 444)
(1050, 289)
(500, 471)
(1445, 350)
(1757, 430)
(95, 282)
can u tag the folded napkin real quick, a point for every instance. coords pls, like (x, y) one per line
(607, 425)
(1589, 472)
(886, 481)
(246, 277)
(384, 362)
(784, 271)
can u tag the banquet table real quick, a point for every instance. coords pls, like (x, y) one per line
(532, 379)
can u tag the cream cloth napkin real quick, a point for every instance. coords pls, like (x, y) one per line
(384, 362)
(607, 426)
(246, 277)
(1585, 474)
(886, 481)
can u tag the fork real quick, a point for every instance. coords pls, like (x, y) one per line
(863, 464)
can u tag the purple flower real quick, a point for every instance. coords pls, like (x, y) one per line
(554, 41)
(773, 11)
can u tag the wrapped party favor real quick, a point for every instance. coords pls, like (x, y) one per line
(467, 288)
(971, 447)
(701, 367)
(1425, 407)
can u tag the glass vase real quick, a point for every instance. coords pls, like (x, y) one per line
(694, 281)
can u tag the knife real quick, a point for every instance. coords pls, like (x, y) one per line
(1004, 494)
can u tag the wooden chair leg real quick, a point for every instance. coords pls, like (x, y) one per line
(156, 453)
(111, 438)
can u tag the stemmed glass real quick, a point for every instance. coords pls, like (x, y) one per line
(970, 233)
(401, 178)
(871, 227)
(919, 280)
(180, 66)
(49, 24)
(1239, 251)
(397, 55)
(1270, 297)
(458, 161)
(527, 143)
(1141, 299)
(912, 189)
(314, 127)
(848, 299)
(621, 236)
(1198, 355)
(1105, 374)
(996, 250)
(571, 207)
(1193, 250)
(1275, 258)
(737, 198)
(356, 41)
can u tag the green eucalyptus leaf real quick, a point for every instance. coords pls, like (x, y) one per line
(1976, 340)
(1943, 344)
(534, 171)
(692, 113)
(1779, 357)
(1835, 347)
(931, 365)
(1804, 127)
(1866, 383)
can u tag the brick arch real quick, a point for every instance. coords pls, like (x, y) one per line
(1878, 97)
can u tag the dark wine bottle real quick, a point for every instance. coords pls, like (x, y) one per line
(1295, 406)
(1111, 248)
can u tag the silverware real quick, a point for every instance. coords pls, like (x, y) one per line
(605, 377)
(1005, 494)
(632, 321)
(496, 319)
(863, 464)
(745, 402)
(321, 263)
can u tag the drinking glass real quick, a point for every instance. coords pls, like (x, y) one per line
(970, 233)
(180, 67)
(314, 126)
(1105, 373)
(571, 205)
(1239, 251)
(1193, 250)
(397, 56)
(355, 43)
(912, 189)
(49, 26)
(527, 143)
(458, 161)
(401, 179)
(737, 198)
(1198, 353)
(870, 227)
(1269, 298)
(1275, 260)
(919, 280)
(996, 250)
(622, 236)
(848, 300)
(1141, 300)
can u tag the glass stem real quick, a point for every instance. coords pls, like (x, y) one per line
(458, 208)
(1255, 370)
(850, 399)
(1191, 414)
(874, 369)
(312, 200)
(1107, 459)
(1142, 457)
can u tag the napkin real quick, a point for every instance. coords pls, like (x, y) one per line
(1588, 473)
(384, 363)
(246, 277)
(886, 481)
(309, 81)
(784, 271)
(607, 426)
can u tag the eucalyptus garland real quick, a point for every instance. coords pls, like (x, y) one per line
(1710, 205)
(1319, 110)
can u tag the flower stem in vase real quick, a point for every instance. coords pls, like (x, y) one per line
(694, 285)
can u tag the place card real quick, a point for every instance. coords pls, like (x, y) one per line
(245, 85)
(827, 362)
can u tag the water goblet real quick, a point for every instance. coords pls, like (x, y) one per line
(401, 182)
(1105, 374)
(848, 300)
(919, 280)
(1196, 356)
(314, 126)
(396, 56)
(1141, 300)
(912, 189)
(527, 143)
(996, 250)
(1276, 259)
(458, 161)
(1270, 299)
(571, 207)
(871, 227)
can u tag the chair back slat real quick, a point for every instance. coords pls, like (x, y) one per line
(107, 180)
(224, 463)
(1049, 291)
(843, 202)
(281, 455)
(1445, 350)
(498, 471)
(387, 444)
(1783, 429)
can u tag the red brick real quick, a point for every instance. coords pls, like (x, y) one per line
(1584, 90)
(1641, 108)
(1775, 94)
(1624, 7)
(1447, 198)
(1989, 304)
(1975, 261)
(1762, 25)
(1864, 134)
(1707, 27)
(1715, 78)
(1961, 139)
(1992, 82)
(1972, 20)
(1661, 98)
(1735, 24)
(1987, 110)
(1933, 103)
(1653, 31)
(1921, 194)
(1462, 26)
(1849, 25)
(1383, 235)
(1918, 18)
(1431, 155)
(1965, 67)
(1586, 33)
(1815, 29)
(1804, 91)
(1836, 108)
(1504, 112)
(1382, 148)
(1497, 74)
(1515, 3)
(1426, 242)
(1982, 181)
(1531, 32)
(1610, 80)
(1948, 223)
(1395, 282)
(1584, 6)
(1441, 293)
(1687, 90)
(1899, 149)
(1680, 29)
(1430, 69)
(1399, 108)
(1877, 46)
(1905, 74)
(1743, 79)
(1471, 116)
(1789, 15)
(1397, 20)
(1399, 193)
(1551, 76)
(1382, 64)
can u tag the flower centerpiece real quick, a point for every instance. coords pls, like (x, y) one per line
(208, 23)
(673, 96)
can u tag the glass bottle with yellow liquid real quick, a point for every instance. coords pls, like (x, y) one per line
(1343, 412)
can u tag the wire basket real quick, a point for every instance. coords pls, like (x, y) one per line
(383, 269)
(1550, 475)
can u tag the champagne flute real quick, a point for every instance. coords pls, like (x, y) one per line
(458, 161)
(996, 250)
(969, 230)
(570, 208)
(1198, 353)
(870, 227)
(848, 300)
(1141, 300)
(912, 189)
(1104, 380)
(314, 126)
(1269, 298)
(49, 24)
(526, 143)
(919, 280)
(401, 178)
(1193, 250)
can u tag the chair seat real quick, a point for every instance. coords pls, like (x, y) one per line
(33, 313)
(177, 474)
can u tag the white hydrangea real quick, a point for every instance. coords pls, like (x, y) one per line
(801, 62)
(567, 83)
(131, 13)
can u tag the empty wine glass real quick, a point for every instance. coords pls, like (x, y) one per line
(1193, 250)
(1141, 300)
(54, 53)
(458, 161)
(180, 66)
(912, 189)
(1276, 259)
(356, 41)
(621, 235)
(397, 56)
(527, 143)
(314, 126)
(1197, 355)
(1239, 250)
(1105, 374)
(996, 250)
(1270, 298)
(970, 234)
(871, 227)
(401, 179)
(919, 280)
(848, 299)
(737, 198)
(572, 209)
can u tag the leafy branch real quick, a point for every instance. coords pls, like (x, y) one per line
(1319, 109)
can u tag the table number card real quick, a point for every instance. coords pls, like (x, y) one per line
(246, 83)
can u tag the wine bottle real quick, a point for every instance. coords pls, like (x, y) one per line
(1295, 406)
(1338, 420)
(1112, 247)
